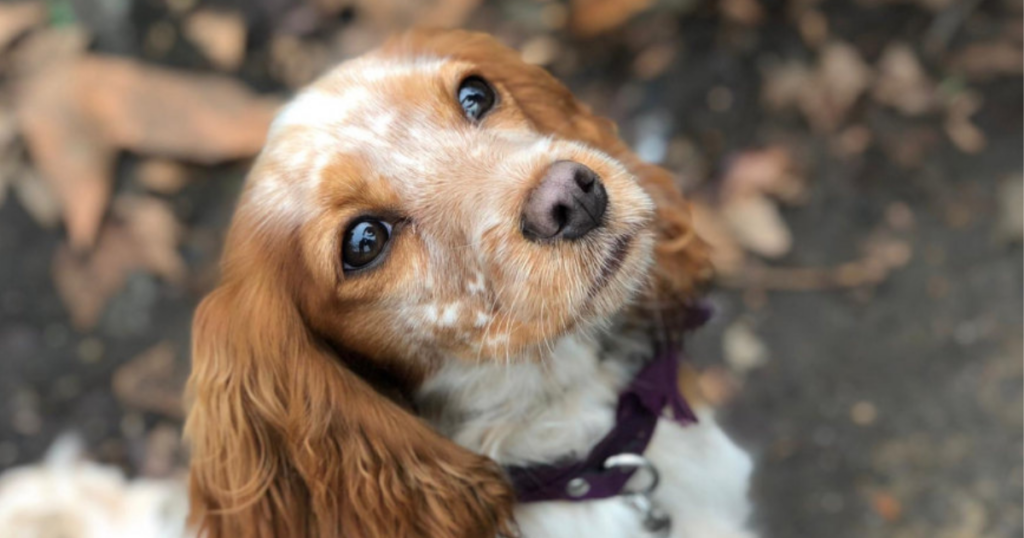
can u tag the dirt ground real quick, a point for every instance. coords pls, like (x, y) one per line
(867, 346)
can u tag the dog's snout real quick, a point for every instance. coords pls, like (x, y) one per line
(569, 203)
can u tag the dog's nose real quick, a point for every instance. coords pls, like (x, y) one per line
(569, 202)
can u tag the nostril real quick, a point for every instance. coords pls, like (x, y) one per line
(560, 213)
(585, 179)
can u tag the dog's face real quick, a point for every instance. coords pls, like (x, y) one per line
(435, 217)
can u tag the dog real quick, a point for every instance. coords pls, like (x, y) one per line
(443, 282)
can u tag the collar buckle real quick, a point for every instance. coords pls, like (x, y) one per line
(653, 518)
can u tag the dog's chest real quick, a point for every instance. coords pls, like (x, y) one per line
(541, 413)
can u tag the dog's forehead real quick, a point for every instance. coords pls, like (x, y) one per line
(359, 90)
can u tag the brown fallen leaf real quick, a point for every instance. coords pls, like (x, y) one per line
(841, 79)
(962, 131)
(35, 196)
(592, 17)
(902, 83)
(220, 34)
(852, 141)
(744, 12)
(18, 18)
(163, 454)
(755, 221)
(540, 50)
(45, 47)
(771, 170)
(76, 115)
(824, 94)
(718, 385)
(162, 176)
(882, 257)
(143, 235)
(156, 232)
(742, 348)
(813, 26)
(152, 382)
(654, 60)
(985, 61)
(887, 506)
(393, 15)
(752, 181)
(85, 282)
(727, 256)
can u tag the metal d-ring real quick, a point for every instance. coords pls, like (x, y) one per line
(629, 460)
(654, 520)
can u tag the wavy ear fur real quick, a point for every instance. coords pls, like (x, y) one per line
(683, 259)
(287, 442)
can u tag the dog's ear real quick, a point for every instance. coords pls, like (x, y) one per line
(287, 441)
(683, 259)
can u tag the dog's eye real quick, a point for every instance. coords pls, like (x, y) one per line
(476, 97)
(364, 242)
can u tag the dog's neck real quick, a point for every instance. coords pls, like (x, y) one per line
(536, 412)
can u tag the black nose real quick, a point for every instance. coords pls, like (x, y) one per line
(569, 202)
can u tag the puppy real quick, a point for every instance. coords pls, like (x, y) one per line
(443, 290)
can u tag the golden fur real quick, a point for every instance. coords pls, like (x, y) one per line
(300, 423)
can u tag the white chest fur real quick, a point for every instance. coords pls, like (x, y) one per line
(540, 412)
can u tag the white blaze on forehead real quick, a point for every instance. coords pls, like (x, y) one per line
(317, 108)
(347, 93)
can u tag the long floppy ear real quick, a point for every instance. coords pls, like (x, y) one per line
(287, 442)
(683, 259)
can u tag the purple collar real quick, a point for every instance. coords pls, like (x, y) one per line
(653, 389)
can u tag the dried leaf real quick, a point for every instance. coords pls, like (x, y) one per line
(85, 282)
(220, 34)
(393, 15)
(743, 349)
(727, 255)
(959, 127)
(156, 232)
(540, 50)
(886, 505)
(296, 62)
(756, 223)
(744, 12)
(771, 170)
(841, 79)
(823, 95)
(36, 197)
(77, 114)
(152, 381)
(654, 61)
(18, 18)
(143, 236)
(163, 176)
(986, 61)
(718, 386)
(902, 83)
(813, 26)
(44, 48)
(593, 17)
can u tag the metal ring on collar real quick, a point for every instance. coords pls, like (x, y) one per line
(635, 461)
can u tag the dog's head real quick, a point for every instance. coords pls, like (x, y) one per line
(436, 200)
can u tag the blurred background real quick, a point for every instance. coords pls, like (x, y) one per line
(857, 166)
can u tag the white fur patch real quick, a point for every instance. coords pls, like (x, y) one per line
(524, 413)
